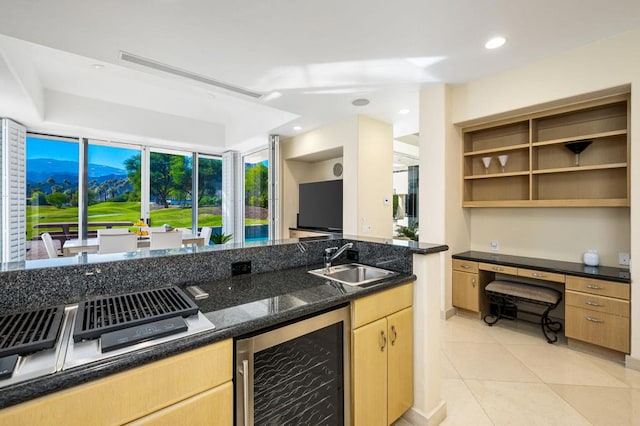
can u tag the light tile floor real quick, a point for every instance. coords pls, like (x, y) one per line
(508, 375)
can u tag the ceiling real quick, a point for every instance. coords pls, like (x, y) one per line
(318, 55)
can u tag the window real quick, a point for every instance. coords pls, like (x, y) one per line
(170, 189)
(52, 190)
(113, 184)
(210, 192)
(256, 196)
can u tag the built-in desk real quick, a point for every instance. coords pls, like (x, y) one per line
(596, 298)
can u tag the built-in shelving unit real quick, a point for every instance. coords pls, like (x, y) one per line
(542, 168)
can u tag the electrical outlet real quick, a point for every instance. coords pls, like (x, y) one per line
(495, 246)
(240, 268)
(624, 258)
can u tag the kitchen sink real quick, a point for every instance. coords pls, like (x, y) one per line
(354, 273)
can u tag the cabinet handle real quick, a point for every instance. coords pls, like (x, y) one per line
(590, 303)
(537, 275)
(394, 335)
(497, 268)
(473, 282)
(594, 287)
(465, 266)
(594, 320)
(383, 341)
(245, 390)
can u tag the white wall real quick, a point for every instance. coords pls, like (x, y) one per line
(375, 178)
(601, 65)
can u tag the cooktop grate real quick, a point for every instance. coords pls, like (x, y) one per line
(98, 316)
(30, 331)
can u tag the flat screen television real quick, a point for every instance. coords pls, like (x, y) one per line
(321, 205)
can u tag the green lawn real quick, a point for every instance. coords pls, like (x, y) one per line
(125, 212)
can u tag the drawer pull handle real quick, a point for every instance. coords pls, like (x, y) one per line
(465, 266)
(537, 275)
(590, 303)
(394, 335)
(497, 268)
(595, 287)
(594, 320)
(473, 282)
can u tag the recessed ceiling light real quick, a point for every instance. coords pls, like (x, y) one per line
(271, 96)
(97, 66)
(404, 111)
(495, 42)
(360, 102)
(297, 128)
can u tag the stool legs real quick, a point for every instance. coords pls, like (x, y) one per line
(549, 326)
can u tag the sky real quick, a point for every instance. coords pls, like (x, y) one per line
(58, 150)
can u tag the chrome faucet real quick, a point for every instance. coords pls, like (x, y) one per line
(331, 253)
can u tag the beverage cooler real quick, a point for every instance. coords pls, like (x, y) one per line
(295, 374)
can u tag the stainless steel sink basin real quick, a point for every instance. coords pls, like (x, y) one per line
(354, 274)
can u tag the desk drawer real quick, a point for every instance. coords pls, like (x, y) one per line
(610, 331)
(465, 266)
(500, 269)
(598, 303)
(600, 287)
(541, 275)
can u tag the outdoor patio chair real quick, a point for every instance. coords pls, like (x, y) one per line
(118, 243)
(165, 240)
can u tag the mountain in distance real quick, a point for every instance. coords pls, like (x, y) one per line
(41, 169)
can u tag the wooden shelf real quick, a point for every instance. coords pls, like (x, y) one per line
(498, 175)
(580, 168)
(539, 171)
(600, 135)
(497, 150)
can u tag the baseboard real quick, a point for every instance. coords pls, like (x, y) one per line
(435, 417)
(448, 313)
(631, 362)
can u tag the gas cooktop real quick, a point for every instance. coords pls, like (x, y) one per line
(44, 341)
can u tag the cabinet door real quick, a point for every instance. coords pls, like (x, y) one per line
(466, 293)
(400, 364)
(369, 367)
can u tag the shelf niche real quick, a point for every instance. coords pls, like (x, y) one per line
(541, 171)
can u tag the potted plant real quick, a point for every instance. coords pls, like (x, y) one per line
(221, 238)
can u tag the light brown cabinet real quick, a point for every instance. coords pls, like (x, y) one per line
(541, 168)
(597, 312)
(382, 359)
(466, 289)
(189, 384)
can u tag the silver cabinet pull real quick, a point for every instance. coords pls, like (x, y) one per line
(497, 268)
(245, 390)
(394, 335)
(383, 341)
(473, 282)
(594, 320)
(465, 266)
(594, 287)
(590, 303)
(537, 275)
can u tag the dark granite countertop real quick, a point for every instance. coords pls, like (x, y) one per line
(236, 305)
(620, 275)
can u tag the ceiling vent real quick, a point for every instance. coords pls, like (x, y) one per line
(149, 63)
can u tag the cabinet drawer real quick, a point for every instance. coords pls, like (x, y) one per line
(375, 306)
(129, 395)
(498, 268)
(598, 303)
(541, 275)
(610, 331)
(465, 265)
(604, 288)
